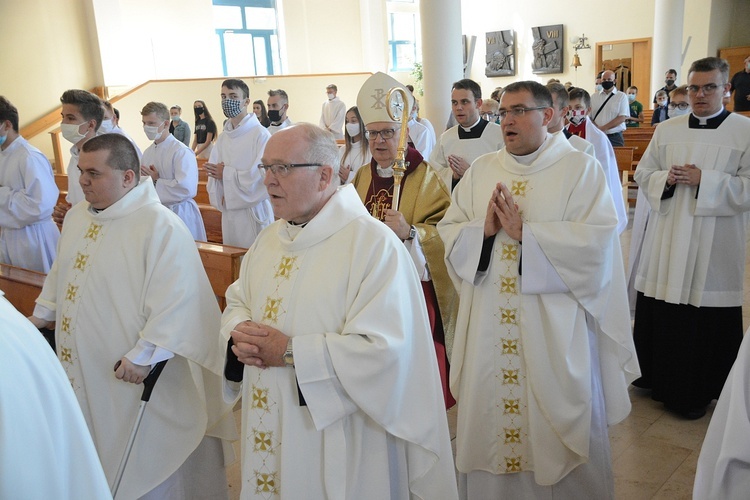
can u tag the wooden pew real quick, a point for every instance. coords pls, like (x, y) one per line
(624, 157)
(21, 287)
(212, 222)
(638, 138)
(222, 265)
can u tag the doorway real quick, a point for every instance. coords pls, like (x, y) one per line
(631, 62)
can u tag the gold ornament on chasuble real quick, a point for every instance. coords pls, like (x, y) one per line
(262, 438)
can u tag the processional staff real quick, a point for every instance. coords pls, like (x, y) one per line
(397, 101)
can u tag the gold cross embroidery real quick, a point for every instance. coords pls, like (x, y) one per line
(508, 316)
(66, 354)
(265, 483)
(81, 260)
(510, 377)
(511, 406)
(271, 310)
(262, 440)
(518, 188)
(259, 398)
(65, 327)
(509, 252)
(510, 346)
(512, 464)
(93, 231)
(512, 435)
(508, 285)
(70, 293)
(285, 267)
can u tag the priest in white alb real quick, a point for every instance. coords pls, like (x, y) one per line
(543, 355)
(331, 346)
(128, 286)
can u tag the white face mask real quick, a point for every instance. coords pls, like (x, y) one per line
(106, 127)
(353, 129)
(678, 112)
(661, 102)
(576, 116)
(71, 132)
(331, 95)
(151, 132)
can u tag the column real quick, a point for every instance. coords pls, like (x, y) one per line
(667, 42)
(442, 57)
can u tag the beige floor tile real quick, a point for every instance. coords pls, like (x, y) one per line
(622, 435)
(644, 406)
(675, 430)
(644, 467)
(679, 486)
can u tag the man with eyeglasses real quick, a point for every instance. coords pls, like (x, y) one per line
(330, 342)
(611, 109)
(424, 199)
(696, 177)
(235, 186)
(543, 335)
(467, 141)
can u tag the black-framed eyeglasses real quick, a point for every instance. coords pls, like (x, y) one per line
(679, 105)
(517, 112)
(283, 169)
(707, 89)
(385, 134)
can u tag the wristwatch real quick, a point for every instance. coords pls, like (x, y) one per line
(288, 354)
(412, 233)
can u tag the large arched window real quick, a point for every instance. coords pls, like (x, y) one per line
(248, 36)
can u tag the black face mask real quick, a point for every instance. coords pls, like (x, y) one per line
(669, 82)
(199, 111)
(274, 115)
(608, 85)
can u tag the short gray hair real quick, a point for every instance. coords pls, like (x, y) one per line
(321, 146)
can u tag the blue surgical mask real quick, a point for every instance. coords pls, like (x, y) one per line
(599, 88)
(631, 97)
(176, 118)
(3, 138)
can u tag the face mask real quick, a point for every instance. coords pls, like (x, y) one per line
(599, 88)
(106, 127)
(199, 111)
(331, 96)
(231, 107)
(70, 131)
(631, 97)
(274, 115)
(747, 66)
(678, 112)
(353, 129)
(413, 116)
(176, 119)
(661, 102)
(4, 137)
(576, 117)
(669, 82)
(151, 132)
(608, 85)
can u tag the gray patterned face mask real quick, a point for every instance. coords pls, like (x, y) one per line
(231, 107)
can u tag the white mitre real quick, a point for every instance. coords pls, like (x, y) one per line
(372, 102)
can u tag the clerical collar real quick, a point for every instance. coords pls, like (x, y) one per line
(531, 157)
(708, 122)
(473, 132)
(295, 224)
(567, 133)
(384, 172)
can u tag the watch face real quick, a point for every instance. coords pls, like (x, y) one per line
(395, 104)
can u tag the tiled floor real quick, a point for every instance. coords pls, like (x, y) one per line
(654, 452)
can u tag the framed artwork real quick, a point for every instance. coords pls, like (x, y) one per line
(501, 53)
(548, 49)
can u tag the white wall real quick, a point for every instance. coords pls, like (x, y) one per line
(599, 21)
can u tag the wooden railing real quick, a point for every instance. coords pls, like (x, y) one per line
(222, 265)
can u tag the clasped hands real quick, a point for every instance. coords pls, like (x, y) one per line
(215, 170)
(684, 174)
(260, 345)
(502, 213)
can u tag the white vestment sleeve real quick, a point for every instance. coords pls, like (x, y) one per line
(463, 257)
(21, 207)
(538, 275)
(325, 397)
(417, 256)
(145, 353)
(184, 185)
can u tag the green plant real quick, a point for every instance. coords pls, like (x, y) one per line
(417, 74)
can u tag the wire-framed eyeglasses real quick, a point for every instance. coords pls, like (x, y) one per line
(517, 112)
(283, 169)
(707, 89)
(385, 134)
